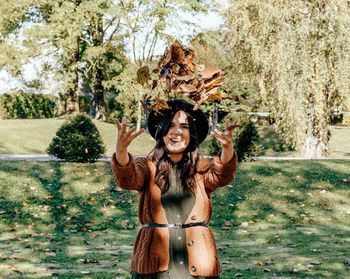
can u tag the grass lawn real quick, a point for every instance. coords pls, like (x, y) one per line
(288, 219)
(33, 136)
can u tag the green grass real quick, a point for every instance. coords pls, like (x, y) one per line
(68, 220)
(33, 136)
(339, 144)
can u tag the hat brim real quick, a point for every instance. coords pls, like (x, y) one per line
(199, 118)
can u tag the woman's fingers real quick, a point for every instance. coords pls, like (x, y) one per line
(117, 123)
(131, 130)
(217, 136)
(137, 133)
(124, 124)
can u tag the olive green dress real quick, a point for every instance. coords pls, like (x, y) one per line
(178, 205)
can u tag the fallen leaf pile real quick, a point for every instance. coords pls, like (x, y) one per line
(201, 83)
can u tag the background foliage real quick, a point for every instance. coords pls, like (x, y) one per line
(245, 139)
(24, 105)
(296, 51)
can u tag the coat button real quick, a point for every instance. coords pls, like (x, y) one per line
(193, 268)
(193, 217)
(190, 243)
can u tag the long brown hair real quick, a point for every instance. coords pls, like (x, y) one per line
(187, 165)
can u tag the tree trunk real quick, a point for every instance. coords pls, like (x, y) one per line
(73, 92)
(98, 74)
(346, 112)
(139, 115)
(72, 102)
(73, 97)
(316, 143)
(100, 107)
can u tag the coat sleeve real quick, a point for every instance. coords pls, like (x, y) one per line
(216, 174)
(133, 176)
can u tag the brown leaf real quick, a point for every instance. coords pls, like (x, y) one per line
(143, 75)
(159, 104)
(178, 53)
(186, 88)
(15, 269)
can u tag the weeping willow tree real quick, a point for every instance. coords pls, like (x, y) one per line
(298, 51)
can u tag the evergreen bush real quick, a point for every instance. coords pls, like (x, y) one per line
(27, 106)
(77, 140)
(245, 139)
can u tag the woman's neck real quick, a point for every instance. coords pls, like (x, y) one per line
(175, 157)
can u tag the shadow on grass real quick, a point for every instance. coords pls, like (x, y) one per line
(292, 222)
(71, 221)
(52, 212)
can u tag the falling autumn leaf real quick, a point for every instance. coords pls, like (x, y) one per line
(143, 75)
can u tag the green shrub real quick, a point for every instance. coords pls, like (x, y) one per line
(77, 140)
(245, 139)
(25, 105)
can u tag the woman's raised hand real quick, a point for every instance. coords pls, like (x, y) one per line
(225, 138)
(124, 139)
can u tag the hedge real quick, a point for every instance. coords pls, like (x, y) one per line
(25, 105)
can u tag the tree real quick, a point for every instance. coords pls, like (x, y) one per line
(297, 51)
(43, 28)
(210, 49)
(83, 37)
(147, 25)
(103, 51)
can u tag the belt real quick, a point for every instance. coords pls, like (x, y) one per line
(175, 226)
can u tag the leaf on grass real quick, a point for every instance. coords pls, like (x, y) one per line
(88, 261)
(15, 269)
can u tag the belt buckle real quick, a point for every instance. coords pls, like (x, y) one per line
(178, 226)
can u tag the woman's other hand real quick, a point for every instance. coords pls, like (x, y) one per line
(124, 139)
(225, 138)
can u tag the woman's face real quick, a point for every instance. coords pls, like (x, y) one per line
(178, 137)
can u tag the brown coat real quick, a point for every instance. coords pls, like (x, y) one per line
(151, 249)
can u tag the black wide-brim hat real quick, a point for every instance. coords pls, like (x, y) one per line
(199, 118)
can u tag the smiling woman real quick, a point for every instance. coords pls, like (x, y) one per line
(178, 137)
(174, 185)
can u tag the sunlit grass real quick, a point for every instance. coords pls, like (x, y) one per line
(33, 136)
(277, 219)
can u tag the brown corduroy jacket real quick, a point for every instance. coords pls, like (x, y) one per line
(151, 249)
